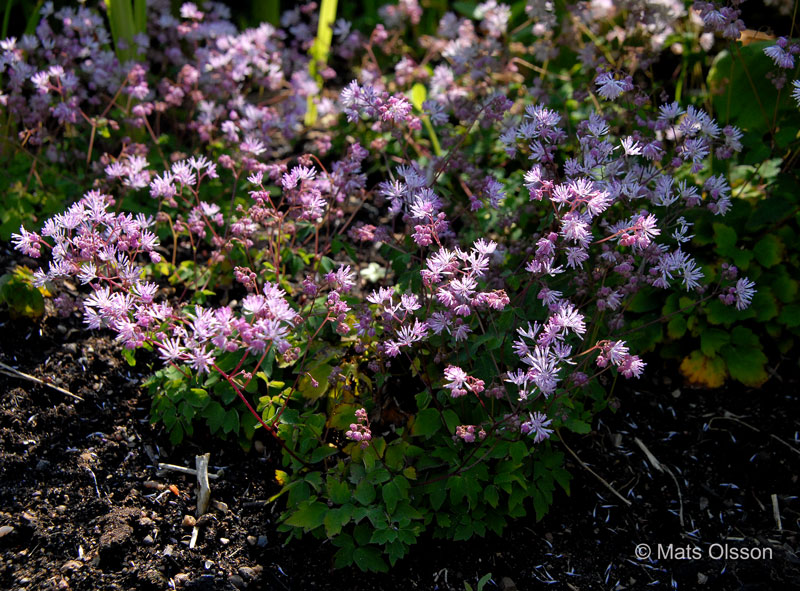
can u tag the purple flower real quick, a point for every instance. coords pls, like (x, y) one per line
(537, 426)
(745, 290)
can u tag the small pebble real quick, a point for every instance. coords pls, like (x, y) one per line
(252, 540)
(188, 521)
(5, 530)
(180, 579)
(258, 445)
(168, 551)
(224, 541)
(247, 573)
(237, 581)
(262, 541)
(61, 509)
(220, 506)
(148, 540)
(70, 565)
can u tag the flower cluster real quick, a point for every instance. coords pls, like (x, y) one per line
(450, 220)
(360, 431)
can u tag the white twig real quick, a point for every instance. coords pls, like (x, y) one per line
(203, 492)
(776, 512)
(183, 470)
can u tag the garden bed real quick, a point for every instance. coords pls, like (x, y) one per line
(89, 510)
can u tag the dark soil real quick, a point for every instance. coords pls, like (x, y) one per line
(84, 507)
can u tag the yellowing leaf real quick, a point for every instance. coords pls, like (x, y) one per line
(699, 370)
(418, 95)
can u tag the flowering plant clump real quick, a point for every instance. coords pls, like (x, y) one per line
(419, 290)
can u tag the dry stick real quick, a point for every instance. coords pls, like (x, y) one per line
(15, 373)
(592, 472)
(730, 417)
(662, 468)
(183, 470)
(776, 512)
(203, 494)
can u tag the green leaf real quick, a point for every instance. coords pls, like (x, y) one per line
(725, 239)
(231, 424)
(391, 494)
(746, 364)
(769, 250)
(197, 397)
(365, 492)
(308, 515)
(790, 315)
(785, 288)
(457, 488)
(320, 374)
(577, 426)
(765, 305)
(395, 455)
(368, 558)
(338, 492)
(426, 423)
(491, 495)
(744, 337)
(451, 419)
(736, 91)
(336, 518)
(712, 340)
(676, 327)
(215, 416)
(322, 452)
(437, 496)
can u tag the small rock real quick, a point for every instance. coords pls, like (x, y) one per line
(676, 393)
(702, 578)
(42, 465)
(703, 503)
(70, 565)
(71, 348)
(252, 540)
(169, 551)
(237, 581)
(220, 506)
(180, 579)
(148, 540)
(247, 573)
(262, 541)
(258, 445)
(5, 530)
(146, 522)
(61, 509)
(506, 584)
(188, 521)
(224, 541)
(152, 484)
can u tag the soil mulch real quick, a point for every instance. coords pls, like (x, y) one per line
(83, 506)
